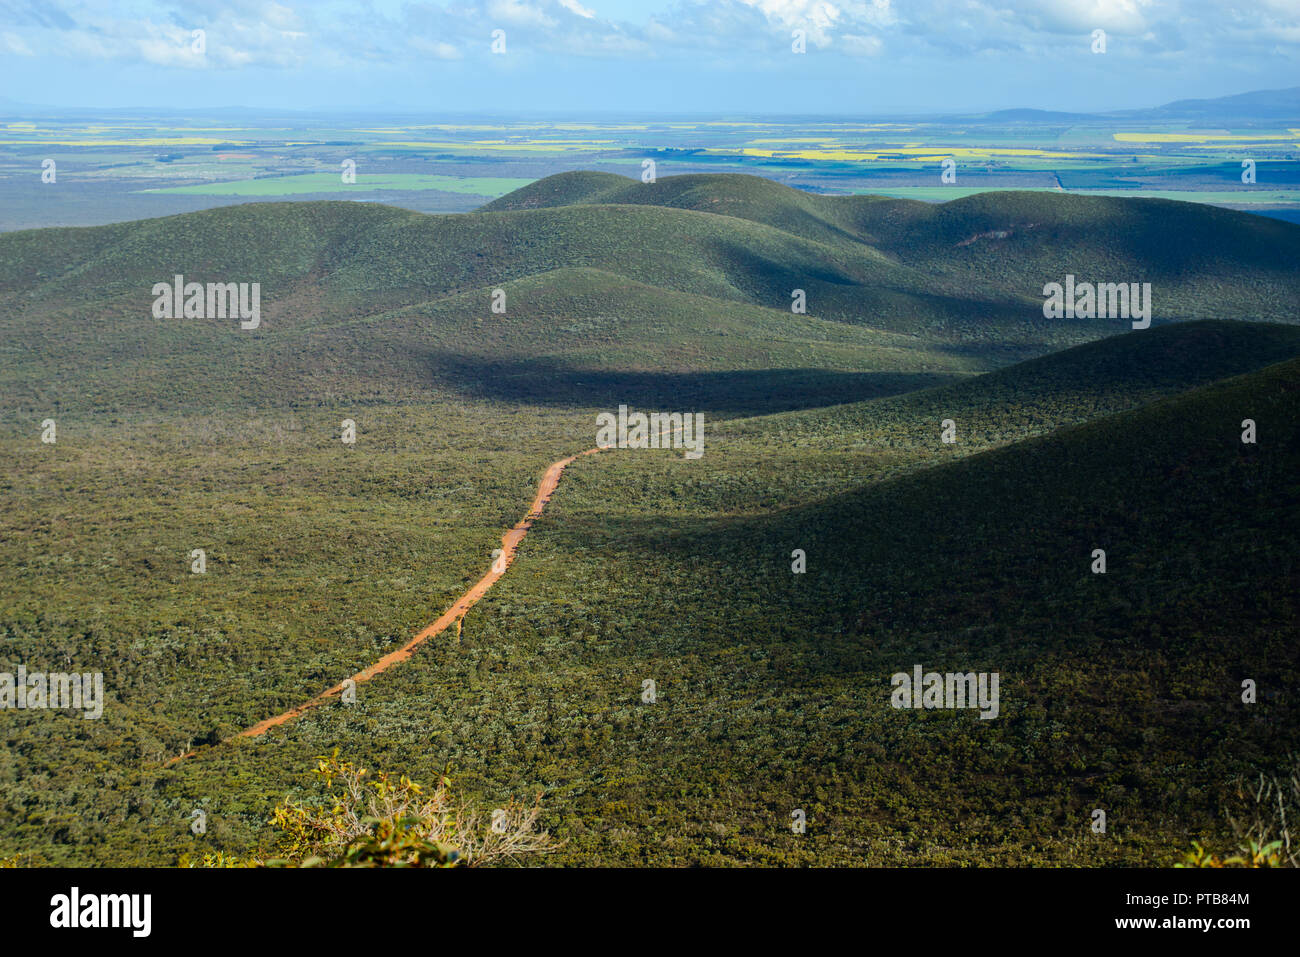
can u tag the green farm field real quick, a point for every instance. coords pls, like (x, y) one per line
(145, 165)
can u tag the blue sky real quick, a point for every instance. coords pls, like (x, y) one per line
(639, 56)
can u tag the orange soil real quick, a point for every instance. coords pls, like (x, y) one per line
(509, 543)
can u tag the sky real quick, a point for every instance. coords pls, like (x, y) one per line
(861, 57)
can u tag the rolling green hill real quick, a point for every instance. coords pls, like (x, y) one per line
(757, 199)
(1066, 387)
(1120, 691)
(1024, 239)
(817, 451)
(963, 279)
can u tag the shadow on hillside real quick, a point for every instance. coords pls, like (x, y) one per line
(731, 393)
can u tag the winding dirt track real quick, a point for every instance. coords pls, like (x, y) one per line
(509, 543)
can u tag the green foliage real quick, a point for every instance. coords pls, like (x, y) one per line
(1119, 691)
(364, 821)
(1260, 812)
(379, 821)
(390, 821)
(1250, 855)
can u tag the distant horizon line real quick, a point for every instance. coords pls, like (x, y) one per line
(9, 106)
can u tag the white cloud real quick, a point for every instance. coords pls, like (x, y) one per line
(14, 44)
(237, 34)
(519, 13)
(574, 7)
(436, 49)
(1083, 16)
(854, 45)
(816, 17)
(294, 33)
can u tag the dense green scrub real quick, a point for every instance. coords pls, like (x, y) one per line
(1118, 691)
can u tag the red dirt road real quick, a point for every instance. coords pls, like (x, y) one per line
(509, 543)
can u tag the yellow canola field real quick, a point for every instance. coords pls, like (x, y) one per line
(535, 146)
(914, 153)
(153, 141)
(1197, 137)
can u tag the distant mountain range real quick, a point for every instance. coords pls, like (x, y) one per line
(1255, 106)
(1264, 104)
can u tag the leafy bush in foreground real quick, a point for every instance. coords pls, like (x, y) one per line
(387, 821)
(1260, 825)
